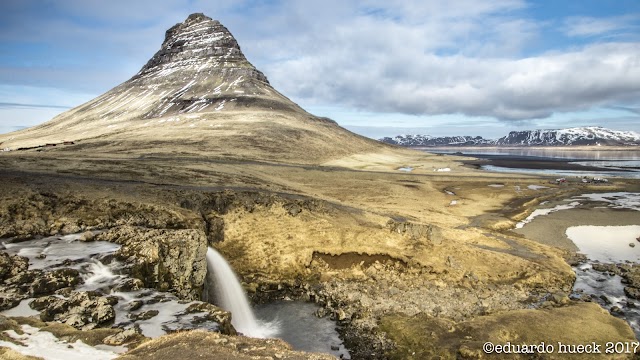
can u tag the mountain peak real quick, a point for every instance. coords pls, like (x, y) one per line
(198, 94)
(202, 44)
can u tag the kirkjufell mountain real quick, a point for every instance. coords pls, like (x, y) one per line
(197, 95)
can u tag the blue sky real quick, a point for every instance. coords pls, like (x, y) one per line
(439, 67)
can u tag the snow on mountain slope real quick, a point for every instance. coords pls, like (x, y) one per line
(197, 95)
(585, 136)
(571, 136)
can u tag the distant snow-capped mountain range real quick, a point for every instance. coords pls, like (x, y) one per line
(585, 136)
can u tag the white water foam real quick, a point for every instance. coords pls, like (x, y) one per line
(230, 296)
(99, 275)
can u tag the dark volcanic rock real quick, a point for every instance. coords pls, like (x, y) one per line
(165, 259)
(214, 313)
(145, 315)
(54, 280)
(83, 310)
(12, 265)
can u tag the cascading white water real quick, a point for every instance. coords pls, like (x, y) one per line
(229, 295)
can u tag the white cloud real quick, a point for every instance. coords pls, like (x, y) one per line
(395, 76)
(585, 26)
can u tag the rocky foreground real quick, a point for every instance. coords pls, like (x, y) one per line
(402, 276)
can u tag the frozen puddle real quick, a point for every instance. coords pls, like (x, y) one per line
(607, 244)
(540, 212)
(618, 200)
(406, 169)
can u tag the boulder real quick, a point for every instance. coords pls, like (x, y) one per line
(83, 310)
(123, 337)
(51, 281)
(165, 259)
(12, 265)
(214, 313)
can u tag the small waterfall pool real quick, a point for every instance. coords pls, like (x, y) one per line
(291, 321)
(301, 328)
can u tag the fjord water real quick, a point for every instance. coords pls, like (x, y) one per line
(613, 163)
(223, 288)
(548, 153)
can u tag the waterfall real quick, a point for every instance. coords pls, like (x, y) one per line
(223, 285)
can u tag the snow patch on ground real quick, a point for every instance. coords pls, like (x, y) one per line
(540, 212)
(46, 345)
(442, 169)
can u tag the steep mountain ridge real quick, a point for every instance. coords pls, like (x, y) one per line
(197, 95)
(428, 140)
(580, 136)
(571, 136)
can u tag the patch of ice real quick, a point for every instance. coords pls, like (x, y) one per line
(537, 187)
(442, 169)
(406, 169)
(617, 200)
(539, 212)
(496, 185)
(449, 192)
(608, 244)
(46, 345)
